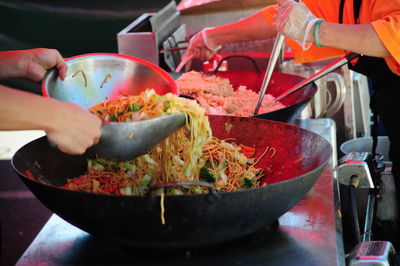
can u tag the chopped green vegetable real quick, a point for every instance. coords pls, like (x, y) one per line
(248, 183)
(177, 191)
(207, 175)
(155, 97)
(134, 107)
(98, 161)
(145, 180)
(114, 118)
(128, 165)
(167, 106)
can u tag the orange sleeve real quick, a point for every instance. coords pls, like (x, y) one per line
(388, 30)
(383, 15)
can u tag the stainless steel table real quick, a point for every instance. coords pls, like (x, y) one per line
(309, 234)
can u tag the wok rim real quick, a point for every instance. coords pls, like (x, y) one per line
(318, 168)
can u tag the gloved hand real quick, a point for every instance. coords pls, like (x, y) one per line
(201, 46)
(295, 21)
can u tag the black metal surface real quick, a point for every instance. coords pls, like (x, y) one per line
(287, 114)
(295, 103)
(191, 220)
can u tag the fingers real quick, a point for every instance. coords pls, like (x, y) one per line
(74, 129)
(73, 144)
(40, 60)
(37, 74)
(292, 19)
(198, 47)
(284, 3)
(61, 65)
(281, 19)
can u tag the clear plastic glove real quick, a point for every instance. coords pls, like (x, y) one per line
(295, 21)
(201, 46)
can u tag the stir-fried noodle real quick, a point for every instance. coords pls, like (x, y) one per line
(190, 154)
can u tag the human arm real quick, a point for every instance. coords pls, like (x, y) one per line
(72, 128)
(254, 27)
(293, 18)
(360, 38)
(31, 64)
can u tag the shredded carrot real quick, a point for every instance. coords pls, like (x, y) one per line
(249, 152)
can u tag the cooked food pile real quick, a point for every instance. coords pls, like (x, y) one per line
(217, 96)
(190, 154)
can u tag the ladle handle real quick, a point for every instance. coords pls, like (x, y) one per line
(270, 68)
(326, 70)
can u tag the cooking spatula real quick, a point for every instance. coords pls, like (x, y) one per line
(276, 49)
(326, 70)
(127, 140)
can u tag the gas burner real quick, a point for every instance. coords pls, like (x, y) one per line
(238, 245)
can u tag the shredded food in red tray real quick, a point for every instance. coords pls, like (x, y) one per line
(217, 96)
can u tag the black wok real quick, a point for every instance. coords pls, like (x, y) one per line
(191, 220)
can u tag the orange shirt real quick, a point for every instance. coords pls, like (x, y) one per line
(384, 16)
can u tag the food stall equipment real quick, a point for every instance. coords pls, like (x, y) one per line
(193, 220)
(308, 234)
(152, 33)
(360, 170)
(170, 56)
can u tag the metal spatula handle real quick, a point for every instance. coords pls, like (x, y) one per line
(323, 72)
(184, 61)
(270, 68)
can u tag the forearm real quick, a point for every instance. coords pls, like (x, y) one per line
(10, 67)
(254, 27)
(360, 38)
(24, 111)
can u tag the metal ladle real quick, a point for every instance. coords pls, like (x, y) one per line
(270, 68)
(128, 140)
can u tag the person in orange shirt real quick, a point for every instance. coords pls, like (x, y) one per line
(322, 29)
(71, 128)
(374, 33)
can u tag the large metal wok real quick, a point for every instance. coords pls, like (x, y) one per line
(191, 220)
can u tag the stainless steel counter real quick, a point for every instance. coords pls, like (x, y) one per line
(309, 234)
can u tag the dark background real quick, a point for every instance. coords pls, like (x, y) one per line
(73, 27)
